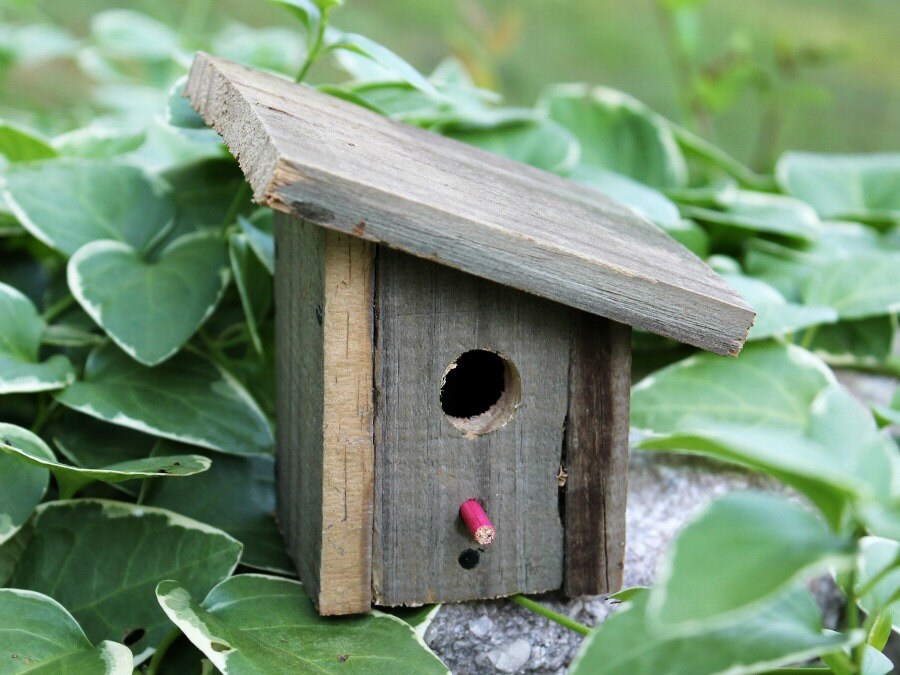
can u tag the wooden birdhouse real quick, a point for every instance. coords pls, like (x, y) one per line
(452, 328)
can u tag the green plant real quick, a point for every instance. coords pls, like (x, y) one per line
(136, 368)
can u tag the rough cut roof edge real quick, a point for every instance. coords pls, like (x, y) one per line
(344, 167)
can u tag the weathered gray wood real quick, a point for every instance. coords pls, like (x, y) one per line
(427, 316)
(349, 169)
(596, 455)
(324, 324)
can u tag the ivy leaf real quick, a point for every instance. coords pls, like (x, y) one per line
(775, 316)
(23, 486)
(543, 144)
(742, 213)
(86, 441)
(237, 495)
(207, 192)
(617, 133)
(853, 342)
(71, 479)
(102, 559)
(38, 634)
(789, 631)
(255, 624)
(857, 287)
(20, 144)
(187, 399)
(151, 308)
(748, 390)
(187, 121)
(890, 414)
(20, 343)
(126, 34)
(838, 458)
(850, 187)
(650, 203)
(254, 285)
(753, 545)
(381, 56)
(877, 556)
(274, 48)
(99, 141)
(92, 199)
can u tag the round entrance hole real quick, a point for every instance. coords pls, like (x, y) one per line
(480, 391)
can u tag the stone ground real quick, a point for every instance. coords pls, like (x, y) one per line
(664, 492)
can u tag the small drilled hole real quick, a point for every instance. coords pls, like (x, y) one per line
(469, 559)
(480, 391)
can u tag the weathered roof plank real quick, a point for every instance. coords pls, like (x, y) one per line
(349, 169)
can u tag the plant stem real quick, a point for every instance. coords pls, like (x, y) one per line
(700, 147)
(858, 652)
(312, 55)
(548, 613)
(161, 649)
(45, 412)
(58, 308)
(235, 206)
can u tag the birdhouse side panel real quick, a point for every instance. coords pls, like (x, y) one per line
(471, 381)
(324, 295)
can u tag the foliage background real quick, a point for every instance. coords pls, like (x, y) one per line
(149, 400)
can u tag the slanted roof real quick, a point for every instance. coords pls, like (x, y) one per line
(347, 168)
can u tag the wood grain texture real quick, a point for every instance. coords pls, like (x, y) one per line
(324, 295)
(427, 316)
(596, 455)
(349, 169)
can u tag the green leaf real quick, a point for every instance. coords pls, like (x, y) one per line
(768, 384)
(650, 203)
(879, 557)
(22, 487)
(37, 634)
(254, 285)
(187, 399)
(275, 48)
(838, 458)
(775, 316)
(857, 287)
(789, 631)
(851, 187)
(102, 560)
(21, 371)
(151, 308)
(207, 193)
(742, 213)
(890, 413)
(259, 235)
(20, 144)
(617, 133)
(543, 144)
(862, 341)
(125, 34)
(237, 495)
(307, 12)
(27, 447)
(380, 55)
(749, 547)
(99, 141)
(92, 199)
(261, 624)
(181, 116)
(86, 441)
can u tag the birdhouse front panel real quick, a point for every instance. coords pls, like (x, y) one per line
(471, 396)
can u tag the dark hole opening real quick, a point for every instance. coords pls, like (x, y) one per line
(474, 385)
(133, 636)
(469, 559)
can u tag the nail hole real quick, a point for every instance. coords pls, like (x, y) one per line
(480, 391)
(469, 559)
(133, 636)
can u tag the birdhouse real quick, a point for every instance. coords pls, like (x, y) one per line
(453, 350)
